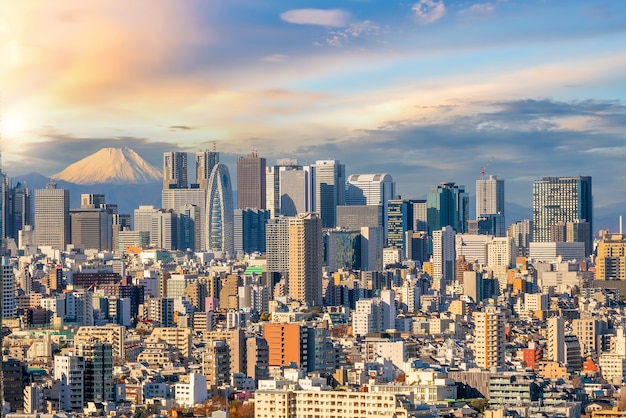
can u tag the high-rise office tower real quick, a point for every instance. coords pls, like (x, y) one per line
(399, 221)
(52, 216)
(561, 199)
(306, 255)
(92, 228)
(444, 256)
(521, 232)
(611, 257)
(219, 209)
(295, 191)
(178, 199)
(274, 184)
(251, 181)
(489, 196)
(277, 246)
(371, 189)
(174, 170)
(448, 205)
(164, 230)
(420, 215)
(489, 338)
(249, 227)
(205, 161)
(18, 210)
(7, 302)
(330, 183)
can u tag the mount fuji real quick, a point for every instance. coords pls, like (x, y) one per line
(110, 166)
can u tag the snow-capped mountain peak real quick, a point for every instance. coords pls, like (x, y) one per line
(110, 165)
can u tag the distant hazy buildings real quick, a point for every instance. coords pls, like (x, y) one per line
(52, 217)
(561, 199)
(251, 181)
(219, 207)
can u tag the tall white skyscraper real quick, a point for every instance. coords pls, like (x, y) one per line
(489, 196)
(220, 212)
(52, 216)
(444, 256)
(274, 184)
(330, 184)
(371, 189)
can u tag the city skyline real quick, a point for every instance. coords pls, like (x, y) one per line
(428, 89)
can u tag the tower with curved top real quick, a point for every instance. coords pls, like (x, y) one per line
(219, 211)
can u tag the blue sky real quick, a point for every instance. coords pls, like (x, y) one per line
(426, 90)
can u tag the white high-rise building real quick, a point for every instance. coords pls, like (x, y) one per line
(52, 217)
(556, 339)
(489, 196)
(178, 199)
(371, 189)
(69, 370)
(143, 218)
(330, 185)
(375, 314)
(444, 255)
(489, 344)
(274, 184)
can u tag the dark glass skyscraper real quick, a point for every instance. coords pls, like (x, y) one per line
(448, 205)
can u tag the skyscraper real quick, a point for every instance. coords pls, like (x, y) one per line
(306, 255)
(277, 246)
(489, 196)
(444, 256)
(174, 170)
(249, 227)
(52, 216)
(399, 221)
(251, 181)
(205, 161)
(274, 184)
(448, 205)
(219, 208)
(330, 179)
(18, 210)
(177, 199)
(561, 199)
(371, 189)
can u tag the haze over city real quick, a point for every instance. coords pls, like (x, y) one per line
(428, 91)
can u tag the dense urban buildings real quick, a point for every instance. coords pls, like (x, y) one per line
(340, 298)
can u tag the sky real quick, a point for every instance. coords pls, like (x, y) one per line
(428, 91)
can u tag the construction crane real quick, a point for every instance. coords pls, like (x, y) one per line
(483, 168)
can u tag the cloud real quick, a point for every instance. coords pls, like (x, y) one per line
(321, 17)
(175, 128)
(365, 29)
(482, 8)
(429, 11)
(274, 58)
